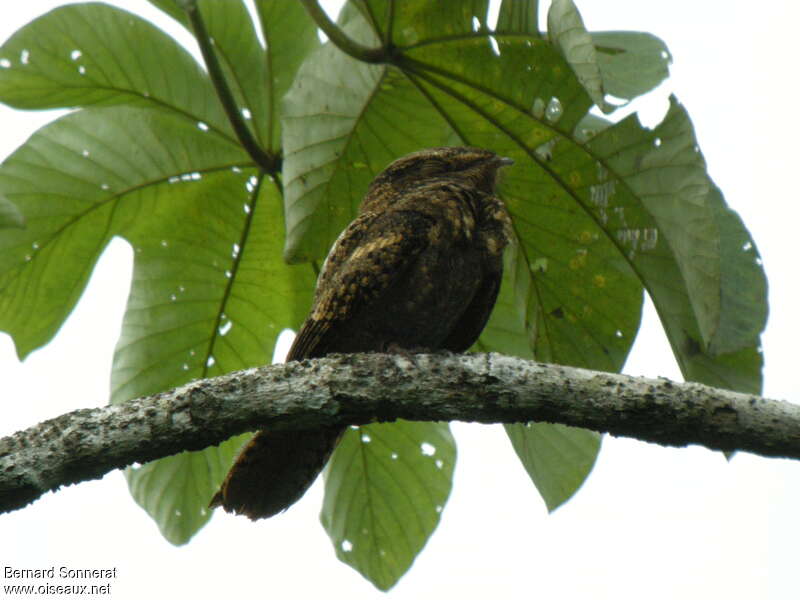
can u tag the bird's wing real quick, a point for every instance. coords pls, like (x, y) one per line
(371, 254)
(472, 321)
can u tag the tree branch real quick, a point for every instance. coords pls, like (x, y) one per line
(338, 38)
(364, 388)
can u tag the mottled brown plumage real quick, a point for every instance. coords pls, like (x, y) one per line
(418, 269)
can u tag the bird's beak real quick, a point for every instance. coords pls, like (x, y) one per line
(503, 161)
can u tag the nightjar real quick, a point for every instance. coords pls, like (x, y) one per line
(418, 269)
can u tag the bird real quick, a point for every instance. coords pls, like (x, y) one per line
(417, 270)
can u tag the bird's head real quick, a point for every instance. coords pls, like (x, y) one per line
(476, 165)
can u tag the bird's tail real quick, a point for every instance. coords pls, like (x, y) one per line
(274, 470)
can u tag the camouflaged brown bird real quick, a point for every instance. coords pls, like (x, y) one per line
(417, 270)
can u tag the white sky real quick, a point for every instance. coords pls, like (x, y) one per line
(650, 522)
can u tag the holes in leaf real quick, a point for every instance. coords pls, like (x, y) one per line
(539, 265)
(537, 109)
(347, 546)
(493, 44)
(649, 238)
(427, 449)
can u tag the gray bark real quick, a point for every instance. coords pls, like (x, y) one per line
(357, 389)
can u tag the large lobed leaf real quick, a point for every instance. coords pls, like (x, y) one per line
(258, 76)
(568, 34)
(385, 489)
(160, 168)
(92, 54)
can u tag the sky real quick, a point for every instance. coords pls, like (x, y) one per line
(650, 521)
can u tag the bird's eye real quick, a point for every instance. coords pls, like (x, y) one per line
(432, 166)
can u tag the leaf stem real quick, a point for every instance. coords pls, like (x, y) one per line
(269, 162)
(340, 40)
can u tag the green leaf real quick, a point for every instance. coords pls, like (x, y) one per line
(411, 22)
(557, 458)
(78, 181)
(676, 247)
(209, 294)
(244, 64)
(519, 16)
(508, 330)
(174, 490)
(10, 216)
(94, 54)
(207, 303)
(733, 358)
(203, 305)
(291, 36)
(385, 488)
(567, 33)
(631, 62)
(258, 77)
(665, 171)
(743, 292)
